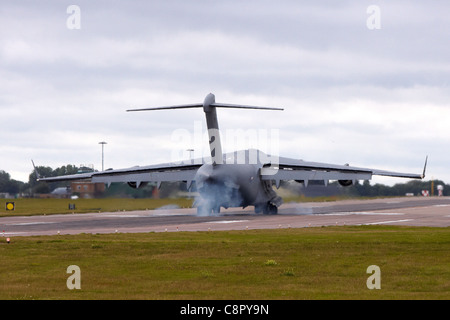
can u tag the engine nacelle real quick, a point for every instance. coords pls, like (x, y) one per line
(345, 183)
(134, 185)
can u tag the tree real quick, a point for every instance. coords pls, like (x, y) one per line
(45, 187)
(9, 185)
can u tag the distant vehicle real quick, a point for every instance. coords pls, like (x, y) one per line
(238, 179)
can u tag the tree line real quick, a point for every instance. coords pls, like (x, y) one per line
(14, 187)
(33, 187)
(414, 187)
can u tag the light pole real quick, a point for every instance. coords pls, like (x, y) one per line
(190, 153)
(103, 145)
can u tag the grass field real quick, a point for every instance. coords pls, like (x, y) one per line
(29, 206)
(308, 263)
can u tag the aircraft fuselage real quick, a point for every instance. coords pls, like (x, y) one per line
(233, 185)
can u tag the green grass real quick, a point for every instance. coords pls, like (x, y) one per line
(30, 206)
(308, 263)
(24, 206)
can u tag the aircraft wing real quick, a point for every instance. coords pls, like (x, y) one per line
(184, 171)
(284, 169)
(293, 169)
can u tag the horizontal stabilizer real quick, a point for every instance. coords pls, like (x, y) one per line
(199, 105)
(185, 106)
(210, 101)
(238, 106)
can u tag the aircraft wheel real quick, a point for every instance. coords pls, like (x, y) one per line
(270, 209)
(216, 210)
(273, 209)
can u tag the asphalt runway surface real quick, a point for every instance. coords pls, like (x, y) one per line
(414, 211)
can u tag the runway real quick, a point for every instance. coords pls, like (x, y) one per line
(414, 211)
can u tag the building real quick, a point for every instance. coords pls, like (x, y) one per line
(87, 190)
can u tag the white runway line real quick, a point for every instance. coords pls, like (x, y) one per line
(227, 221)
(27, 223)
(123, 216)
(360, 213)
(384, 222)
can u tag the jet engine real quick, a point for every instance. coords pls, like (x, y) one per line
(345, 183)
(134, 185)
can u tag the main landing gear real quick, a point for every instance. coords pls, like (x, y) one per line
(267, 208)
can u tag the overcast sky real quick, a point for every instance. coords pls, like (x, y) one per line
(361, 82)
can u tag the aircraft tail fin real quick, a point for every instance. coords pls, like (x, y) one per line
(209, 106)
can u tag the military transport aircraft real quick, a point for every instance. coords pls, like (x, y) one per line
(238, 179)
